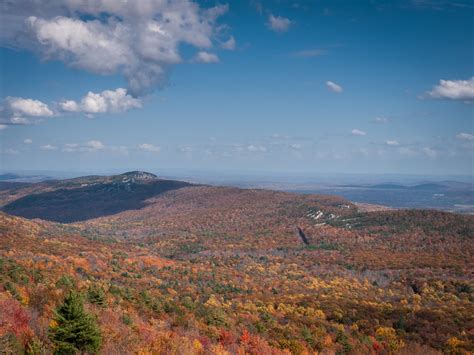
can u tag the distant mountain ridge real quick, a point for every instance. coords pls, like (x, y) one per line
(88, 197)
(8, 176)
(423, 186)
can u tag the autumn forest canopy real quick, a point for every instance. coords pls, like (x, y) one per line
(194, 269)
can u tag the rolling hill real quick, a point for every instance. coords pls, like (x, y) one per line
(87, 197)
(170, 267)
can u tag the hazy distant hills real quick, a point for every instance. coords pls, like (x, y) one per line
(85, 197)
(424, 186)
(451, 196)
(9, 176)
(89, 197)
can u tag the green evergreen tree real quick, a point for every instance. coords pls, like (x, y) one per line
(74, 330)
(96, 295)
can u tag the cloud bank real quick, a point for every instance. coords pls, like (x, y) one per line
(139, 40)
(21, 111)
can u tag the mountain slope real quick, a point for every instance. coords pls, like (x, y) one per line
(213, 270)
(89, 197)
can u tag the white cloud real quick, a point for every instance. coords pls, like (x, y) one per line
(429, 152)
(465, 137)
(3, 126)
(358, 132)
(454, 90)
(206, 57)
(90, 45)
(95, 145)
(28, 107)
(70, 106)
(230, 44)
(70, 147)
(278, 23)
(256, 148)
(28, 141)
(137, 39)
(107, 101)
(392, 143)
(333, 86)
(19, 121)
(48, 147)
(11, 151)
(146, 147)
(381, 119)
(88, 147)
(18, 110)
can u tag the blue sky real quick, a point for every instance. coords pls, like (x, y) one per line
(282, 86)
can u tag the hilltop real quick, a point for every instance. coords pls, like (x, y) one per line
(86, 197)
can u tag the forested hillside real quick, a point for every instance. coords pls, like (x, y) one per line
(199, 270)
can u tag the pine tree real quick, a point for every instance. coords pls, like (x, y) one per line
(96, 295)
(73, 329)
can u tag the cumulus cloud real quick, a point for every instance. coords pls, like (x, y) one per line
(48, 147)
(333, 87)
(381, 119)
(146, 147)
(140, 40)
(465, 137)
(18, 110)
(21, 111)
(88, 147)
(392, 143)
(206, 57)
(278, 23)
(454, 90)
(108, 101)
(358, 132)
(95, 145)
(28, 141)
(230, 44)
(28, 107)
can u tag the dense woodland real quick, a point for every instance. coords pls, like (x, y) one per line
(208, 270)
